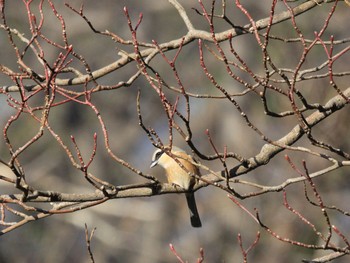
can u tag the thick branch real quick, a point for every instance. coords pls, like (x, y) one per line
(191, 35)
(268, 151)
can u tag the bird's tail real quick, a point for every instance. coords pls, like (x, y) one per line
(191, 202)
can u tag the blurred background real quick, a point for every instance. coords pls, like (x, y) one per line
(141, 229)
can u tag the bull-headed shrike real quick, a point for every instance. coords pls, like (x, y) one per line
(180, 176)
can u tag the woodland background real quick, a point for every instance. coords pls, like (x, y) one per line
(140, 229)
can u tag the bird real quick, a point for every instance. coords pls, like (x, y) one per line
(179, 176)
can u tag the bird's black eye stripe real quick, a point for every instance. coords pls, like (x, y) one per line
(158, 154)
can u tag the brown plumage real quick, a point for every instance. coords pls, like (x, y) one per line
(179, 176)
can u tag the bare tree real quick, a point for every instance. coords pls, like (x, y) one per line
(257, 91)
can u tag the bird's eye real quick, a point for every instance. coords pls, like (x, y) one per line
(158, 154)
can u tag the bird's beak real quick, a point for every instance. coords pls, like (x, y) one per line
(154, 163)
